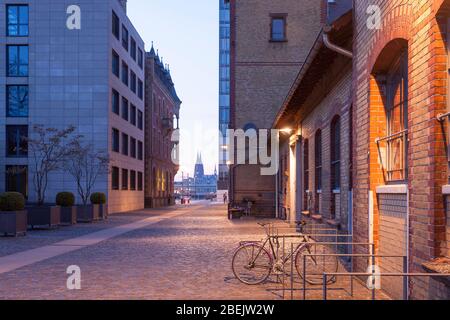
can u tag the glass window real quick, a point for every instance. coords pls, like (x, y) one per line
(17, 20)
(17, 141)
(17, 179)
(125, 37)
(140, 181)
(17, 57)
(124, 179)
(133, 148)
(278, 32)
(133, 81)
(133, 50)
(133, 115)
(115, 178)
(125, 114)
(140, 120)
(397, 119)
(132, 180)
(125, 144)
(17, 101)
(318, 159)
(140, 89)
(115, 64)
(141, 58)
(336, 153)
(115, 25)
(125, 73)
(140, 150)
(115, 140)
(115, 102)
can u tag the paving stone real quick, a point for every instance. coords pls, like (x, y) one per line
(185, 257)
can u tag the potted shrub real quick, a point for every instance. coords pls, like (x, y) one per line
(13, 217)
(85, 165)
(99, 198)
(66, 201)
(88, 213)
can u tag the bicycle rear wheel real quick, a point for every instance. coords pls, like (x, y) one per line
(252, 264)
(316, 266)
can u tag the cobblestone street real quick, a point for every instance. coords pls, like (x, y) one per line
(184, 256)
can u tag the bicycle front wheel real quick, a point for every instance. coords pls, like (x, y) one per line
(316, 264)
(252, 264)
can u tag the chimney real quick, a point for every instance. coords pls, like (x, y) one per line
(123, 3)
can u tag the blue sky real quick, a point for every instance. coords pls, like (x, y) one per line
(186, 34)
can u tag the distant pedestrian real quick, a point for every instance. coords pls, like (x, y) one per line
(225, 198)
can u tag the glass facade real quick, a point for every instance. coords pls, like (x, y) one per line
(224, 92)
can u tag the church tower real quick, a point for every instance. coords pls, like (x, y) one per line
(199, 169)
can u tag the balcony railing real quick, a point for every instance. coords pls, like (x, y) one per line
(394, 160)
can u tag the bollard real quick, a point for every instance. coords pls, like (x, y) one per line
(325, 280)
(405, 279)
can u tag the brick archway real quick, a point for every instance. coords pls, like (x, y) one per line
(378, 121)
(397, 25)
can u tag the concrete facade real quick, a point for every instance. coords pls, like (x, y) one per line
(262, 72)
(70, 82)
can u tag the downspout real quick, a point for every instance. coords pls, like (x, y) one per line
(407, 241)
(277, 213)
(333, 47)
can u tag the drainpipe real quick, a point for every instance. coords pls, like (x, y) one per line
(333, 47)
(407, 240)
(277, 214)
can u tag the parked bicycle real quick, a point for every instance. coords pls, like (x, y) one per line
(254, 262)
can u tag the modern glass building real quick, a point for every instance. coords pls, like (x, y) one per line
(224, 92)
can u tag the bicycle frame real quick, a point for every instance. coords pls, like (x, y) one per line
(274, 240)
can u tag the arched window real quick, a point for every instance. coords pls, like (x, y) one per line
(397, 118)
(336, 153)
(389, 110)
(318, 159)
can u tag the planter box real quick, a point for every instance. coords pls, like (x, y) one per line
(44, 217)
(68, 216)
(13, 223)
(88, 213)
(103, 211)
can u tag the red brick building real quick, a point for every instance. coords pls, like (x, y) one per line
(162, 109)
(391, 104)
(400, 86)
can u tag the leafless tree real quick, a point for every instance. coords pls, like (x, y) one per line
(85, 165)
(49, 148)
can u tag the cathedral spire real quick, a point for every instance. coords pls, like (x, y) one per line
(199, 169)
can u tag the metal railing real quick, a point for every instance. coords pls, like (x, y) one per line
(373, 258)
(395, 163)
(405, 275)
(334, 242)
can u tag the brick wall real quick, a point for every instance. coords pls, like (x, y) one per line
(421, 26)
(336, 103)
(262, 73)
